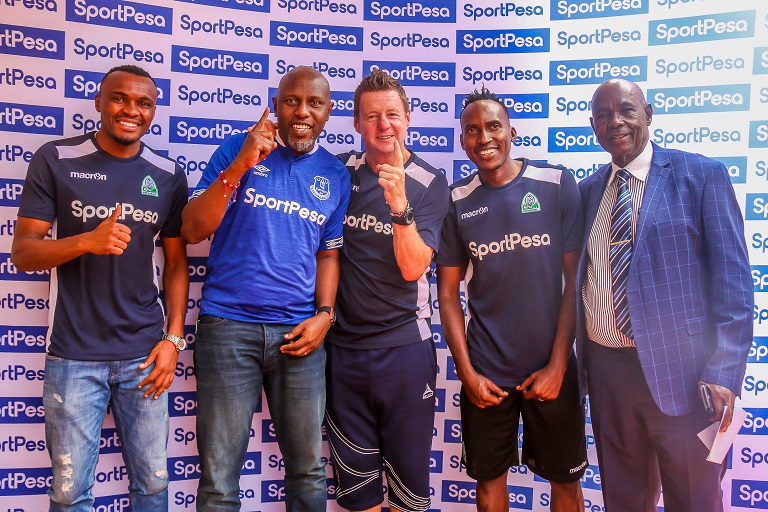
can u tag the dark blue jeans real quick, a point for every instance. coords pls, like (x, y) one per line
(233, 360)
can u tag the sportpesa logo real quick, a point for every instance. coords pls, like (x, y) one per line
(581, 9)
(435, 74)
(522, 40)
(410, 11)
(321, 37)
(711, 98)
(209, 61)
(509, 243)
(84, 85)
(597, 36)
(194, 130)
(130, 15)
(243, 5)
(699, 64)
(708, 27)
(521, 106)
(329, 6)
(17, 117)
(761, 61)
(20, 339)
(409, 40)
(31, 42)
(758, 134)
(10, 190)
(222, 26)
(579, 139)
(596, 71)
(503, 10)
(430, 139)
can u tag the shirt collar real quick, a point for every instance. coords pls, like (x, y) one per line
(639, 167)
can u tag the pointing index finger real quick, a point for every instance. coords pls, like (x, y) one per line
(262, 122)
(398, 155)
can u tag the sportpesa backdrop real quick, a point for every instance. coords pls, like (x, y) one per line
(703, 63)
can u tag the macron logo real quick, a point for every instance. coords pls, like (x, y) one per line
(88, 176)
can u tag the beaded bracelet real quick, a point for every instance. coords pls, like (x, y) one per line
(229, 185)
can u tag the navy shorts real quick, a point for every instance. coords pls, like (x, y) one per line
(554, 441)
(380, 410)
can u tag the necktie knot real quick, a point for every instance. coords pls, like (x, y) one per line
(623, 176)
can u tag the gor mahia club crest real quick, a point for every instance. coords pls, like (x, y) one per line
(321, 188)
(148, 187)
(530, 204)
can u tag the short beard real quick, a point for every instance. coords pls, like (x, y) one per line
(301, 146)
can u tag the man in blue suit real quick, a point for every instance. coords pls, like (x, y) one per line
(666, 310)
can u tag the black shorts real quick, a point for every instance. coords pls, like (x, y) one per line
(554, 442)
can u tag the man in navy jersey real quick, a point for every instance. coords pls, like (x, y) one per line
(275, 202)
(381, 357)
(107, 196)
(512, 233)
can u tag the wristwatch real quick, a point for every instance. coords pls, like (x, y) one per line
(404, 218)
(328, 309)
(178, 342)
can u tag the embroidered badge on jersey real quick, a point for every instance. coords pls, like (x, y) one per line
(530, 204)
(321, 188)
(149, 187)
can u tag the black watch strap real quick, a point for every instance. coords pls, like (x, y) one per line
(404, 218)
(327, 309)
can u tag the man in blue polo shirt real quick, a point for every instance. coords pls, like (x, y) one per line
(381, 357)
(512, 233)
(275, 203)
(107, 197)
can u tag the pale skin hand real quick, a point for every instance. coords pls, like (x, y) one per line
(392, 180)
(721, 396)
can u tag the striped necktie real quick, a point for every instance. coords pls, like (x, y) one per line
(620, 251)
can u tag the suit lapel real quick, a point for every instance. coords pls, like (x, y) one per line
(654, 191)
(595, 195)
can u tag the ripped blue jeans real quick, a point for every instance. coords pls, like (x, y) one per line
(76, 395)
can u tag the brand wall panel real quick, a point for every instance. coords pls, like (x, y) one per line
(217, 63)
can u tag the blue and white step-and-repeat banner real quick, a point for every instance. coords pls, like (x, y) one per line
(703, 63)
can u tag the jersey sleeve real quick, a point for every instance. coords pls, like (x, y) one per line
(571, 215)
(220, 160)
(38, 198)
(332, 234)
(431, 211)
(172, 227)
(451, 253)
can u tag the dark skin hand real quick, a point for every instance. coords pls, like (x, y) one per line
(721, 397)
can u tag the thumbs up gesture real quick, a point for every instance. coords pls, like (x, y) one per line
(109, 237)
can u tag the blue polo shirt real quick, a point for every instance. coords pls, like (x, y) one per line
(262, 266)
(512, 239)
(376, 307)
(104, 307)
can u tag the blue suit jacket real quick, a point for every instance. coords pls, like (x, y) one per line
(690, 289)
